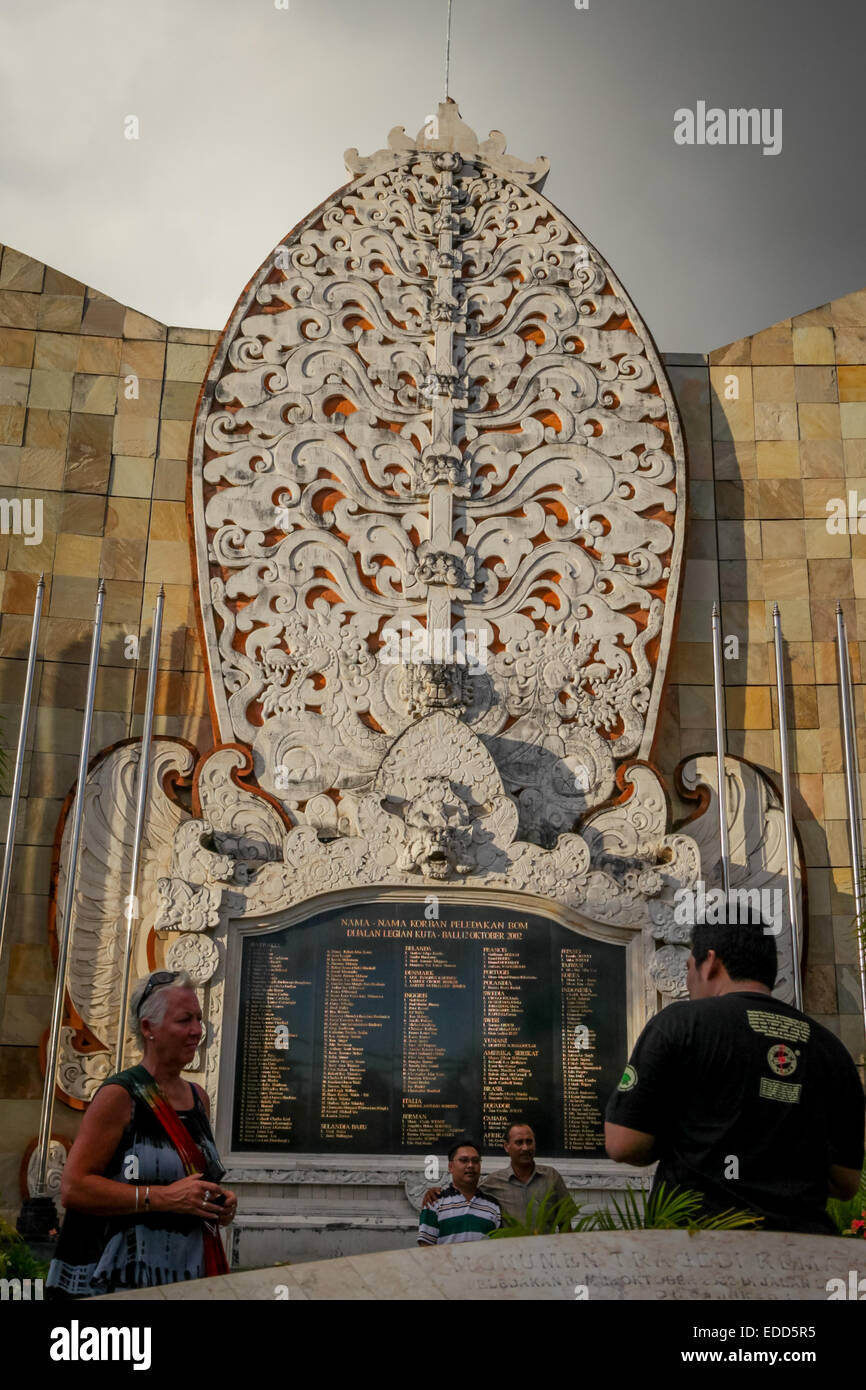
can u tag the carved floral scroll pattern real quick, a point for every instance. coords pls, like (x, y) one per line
(321, 455)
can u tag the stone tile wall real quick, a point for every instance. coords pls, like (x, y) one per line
(776, 430)
(96, 405)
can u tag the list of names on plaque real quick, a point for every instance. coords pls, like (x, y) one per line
(583, 1121)
(429, 1110)
(510, 1055)
(379, 1030)
(354, 1014)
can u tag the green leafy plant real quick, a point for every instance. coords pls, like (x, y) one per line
(661, 1210)
(664, 1210)
(16, 1261)
(849, 1217)
(547, 1218)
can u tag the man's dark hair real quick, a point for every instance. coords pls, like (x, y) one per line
(743, 948)
(510, 1126)
(463, 1144)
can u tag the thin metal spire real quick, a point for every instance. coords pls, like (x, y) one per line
(447, 50)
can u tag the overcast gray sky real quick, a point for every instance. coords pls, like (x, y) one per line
(245, 111)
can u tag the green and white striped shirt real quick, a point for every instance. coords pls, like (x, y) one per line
(453, 1218)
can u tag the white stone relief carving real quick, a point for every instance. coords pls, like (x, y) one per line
(343, 485)
(53, 1173)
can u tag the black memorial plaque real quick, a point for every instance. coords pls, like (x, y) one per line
(376, 1030)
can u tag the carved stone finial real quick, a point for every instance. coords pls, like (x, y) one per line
(448, 134)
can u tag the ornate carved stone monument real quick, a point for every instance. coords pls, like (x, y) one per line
(437, 496)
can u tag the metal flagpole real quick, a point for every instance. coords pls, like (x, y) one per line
(19, 760)
(448, 50)
(793, 899)
(47, 1115)
(720, 751)
(140, 807)
(852, 791)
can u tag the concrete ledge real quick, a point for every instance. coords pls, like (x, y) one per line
(709, 1265)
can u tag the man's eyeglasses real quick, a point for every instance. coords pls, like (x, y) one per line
(158, 978)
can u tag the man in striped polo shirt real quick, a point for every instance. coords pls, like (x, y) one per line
(460, 1212)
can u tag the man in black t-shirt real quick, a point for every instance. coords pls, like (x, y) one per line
(739, 1096)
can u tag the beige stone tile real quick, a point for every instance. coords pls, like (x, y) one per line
(853, 419)
(184, 362)
(814, 346)
(783, 540)
(46, 429)
(773, 384)
(819, 421)
(75, 597)
(170, 481)
(821, 458)
(733, 420)
(30, 968)
(784, 578)
(174, 437)
(14, 385)
(199, 337)
(20, 272)
(734, 459)
(94, 395)
(56, 351)
(796, 621)
(779, 498)
(831, 578)
(816, 384)
(131, 477)
(821, 316)
(179, 400)
(137, 325)
(18, 310)
(739, 540)
(854, 457)
(823, 496)
(123, 602)
(60, 313)
(145, 360)
(699, 458)
(852, 384)
(127, 518)
(82, 514)
(777, 459)
(820, 543)
(139, 397)
(737, 353)
(77, 555)
(89, 454)
(123, 558)
(748, 707)
(58, 283)
(701, 499)
(773, 347)
(168, 561)
(12, 424)
(103, 317)
(775, 421)
(169, 523)
(101, 356)
(50, 389)
(135, 436)
(16, 348)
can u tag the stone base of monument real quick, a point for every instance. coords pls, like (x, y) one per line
(317, 1207)
(708, 1265)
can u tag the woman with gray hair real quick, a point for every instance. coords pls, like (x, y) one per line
(141, 1182)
